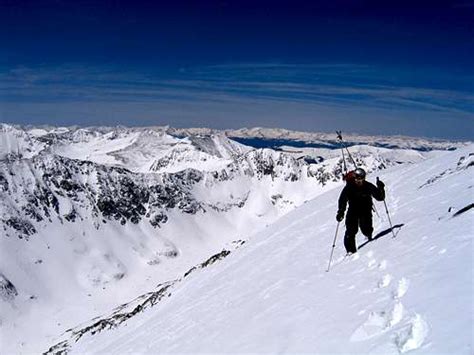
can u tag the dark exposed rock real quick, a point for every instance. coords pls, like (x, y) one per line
(31, 209)
(3, 183)
(321, 175)
(110, 193)
(189, 176)
(215, 258)
(264, 165)
(121, 197)
(170, 253)
(462, 164)
(209, 261)
(24, 227)
(7, 290)
(275, 198)
(158, 218)
(115, 319)
(47, 199)
(128, 310)
(71, 216)
(68, 185)
(113, 193)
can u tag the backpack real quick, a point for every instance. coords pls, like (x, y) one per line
(349, 177)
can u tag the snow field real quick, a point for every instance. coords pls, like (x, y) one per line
(412, 293)
(68, 273)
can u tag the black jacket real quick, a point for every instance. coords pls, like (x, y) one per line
(360, 197)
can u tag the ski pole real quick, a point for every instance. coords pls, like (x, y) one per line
(333, 245)
(375, 210)
(386, 210)
(344, 161)
(388, 215)
(350, 156)
(339, 136)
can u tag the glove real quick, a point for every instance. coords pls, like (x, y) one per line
(340, 216)
(380, 184)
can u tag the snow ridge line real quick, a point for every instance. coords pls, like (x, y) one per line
(464, 163)
(138, 305)
(115, 319)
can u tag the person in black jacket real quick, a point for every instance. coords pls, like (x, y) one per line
(358, 193)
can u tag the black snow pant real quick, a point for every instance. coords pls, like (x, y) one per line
(353, 222)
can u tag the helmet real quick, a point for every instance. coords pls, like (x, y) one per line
(359, 173)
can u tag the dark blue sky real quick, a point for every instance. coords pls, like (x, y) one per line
(377, 67)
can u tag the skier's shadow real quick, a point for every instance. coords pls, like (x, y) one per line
(381, 234)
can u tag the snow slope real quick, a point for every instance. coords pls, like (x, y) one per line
(273, 295)
(92, 218)
(145, 149)
(79, 237)
(16, 142)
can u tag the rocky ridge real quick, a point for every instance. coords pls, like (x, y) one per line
(39, 188)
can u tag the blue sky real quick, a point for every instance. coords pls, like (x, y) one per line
(374, 67)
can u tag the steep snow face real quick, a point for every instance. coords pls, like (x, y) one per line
(93, 146)
(209, 153)
(17, 143)
(133, 149)
(408, 293)
(147, 149)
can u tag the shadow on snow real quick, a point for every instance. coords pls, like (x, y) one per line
(383, 233)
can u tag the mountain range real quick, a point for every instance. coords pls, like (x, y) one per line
(92, 218)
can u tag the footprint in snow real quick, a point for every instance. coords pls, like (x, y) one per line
(372, 261)
(372, 264)
(378, 323)
(402, 288)
(355, 256)
(385, 281)
(413, 336)
(346, 257)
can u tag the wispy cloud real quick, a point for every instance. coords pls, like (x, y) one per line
(343, 84)
(257, 91)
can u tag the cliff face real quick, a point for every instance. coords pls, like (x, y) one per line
(43, 180)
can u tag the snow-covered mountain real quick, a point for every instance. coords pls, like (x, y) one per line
(278, 136)
(91, 218)
(408, 293)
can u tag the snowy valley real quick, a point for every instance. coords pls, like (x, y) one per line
(160, 240)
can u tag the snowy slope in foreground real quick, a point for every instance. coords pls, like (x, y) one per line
(274, 295)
